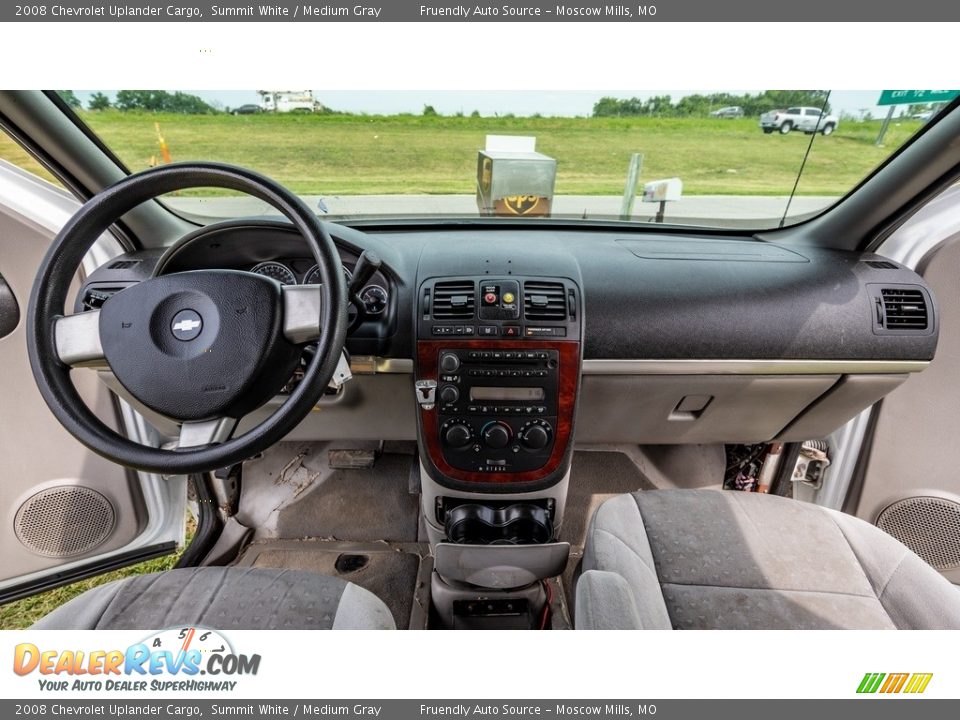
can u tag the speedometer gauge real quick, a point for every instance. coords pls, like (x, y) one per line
(278, 271)
(313, 276)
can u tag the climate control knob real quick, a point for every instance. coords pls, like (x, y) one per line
(449, 363)
(457, 435)
(496, 435)
(535, 437)
(449, 395)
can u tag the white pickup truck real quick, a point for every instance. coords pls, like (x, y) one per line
(808, 119)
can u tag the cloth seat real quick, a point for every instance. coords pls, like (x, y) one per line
(707, 559)
(224, 598)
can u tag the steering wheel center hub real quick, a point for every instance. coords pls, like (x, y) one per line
(219, 333)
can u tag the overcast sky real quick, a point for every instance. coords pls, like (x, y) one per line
(566, 103)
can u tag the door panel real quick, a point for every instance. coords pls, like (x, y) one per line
(911, 485)
(61, 504)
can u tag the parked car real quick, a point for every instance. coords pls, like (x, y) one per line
(249, 109)
(808, 119)
(733, 111)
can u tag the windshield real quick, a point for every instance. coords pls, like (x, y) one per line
(755, 160)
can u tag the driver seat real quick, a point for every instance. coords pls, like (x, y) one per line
(709, 559)
(224, 598)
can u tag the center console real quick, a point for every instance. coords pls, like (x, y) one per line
(496, 379)
(498, 367)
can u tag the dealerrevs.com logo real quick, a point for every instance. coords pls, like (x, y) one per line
(172, 659)
(891, 683)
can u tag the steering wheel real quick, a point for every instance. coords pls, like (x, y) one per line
(201, 347)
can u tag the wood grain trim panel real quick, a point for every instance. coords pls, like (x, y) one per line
(568, 380)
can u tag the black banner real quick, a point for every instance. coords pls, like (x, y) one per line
(514, 11)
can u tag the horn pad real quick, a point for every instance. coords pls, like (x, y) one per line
(199, 345)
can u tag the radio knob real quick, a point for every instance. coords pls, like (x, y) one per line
(449, 395)
(535, 437)
(449, 363)
(497, 435)
(458, 435)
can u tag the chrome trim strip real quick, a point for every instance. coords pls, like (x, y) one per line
(752, 367)
(301, 312)
(373, 365)
(77, 339)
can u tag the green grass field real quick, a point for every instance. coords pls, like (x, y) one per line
(23, 613)
(350, 154)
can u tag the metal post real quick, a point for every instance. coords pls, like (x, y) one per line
(886, 124)
(660, 211)
(630, 189)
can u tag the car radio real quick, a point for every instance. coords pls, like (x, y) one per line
(497, 409)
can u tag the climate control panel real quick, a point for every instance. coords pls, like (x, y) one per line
(497, 409)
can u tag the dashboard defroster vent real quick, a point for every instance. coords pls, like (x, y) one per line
(544, 301)
(904, 309)
(455, 300)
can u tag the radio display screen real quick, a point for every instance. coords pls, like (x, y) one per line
(518, 394)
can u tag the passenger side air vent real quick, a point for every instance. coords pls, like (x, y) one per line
(904, 309)
(900, 309)
(544, 301)
(454, 300)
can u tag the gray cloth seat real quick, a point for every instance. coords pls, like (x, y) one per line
(224, 598)
(705, 559)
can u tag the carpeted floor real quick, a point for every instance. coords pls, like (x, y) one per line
(357, 505)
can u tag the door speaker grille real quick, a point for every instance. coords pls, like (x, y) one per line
(930, 526)
(64, 521)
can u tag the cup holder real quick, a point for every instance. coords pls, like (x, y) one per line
(517, 524)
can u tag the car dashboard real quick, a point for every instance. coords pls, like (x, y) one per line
(499, 348)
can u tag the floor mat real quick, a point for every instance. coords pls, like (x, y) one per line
(388, 572)
(594, 477)
(357, 505)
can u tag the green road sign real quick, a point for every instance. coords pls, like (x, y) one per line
(915, 97)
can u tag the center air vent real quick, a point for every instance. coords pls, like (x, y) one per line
(903, 309)
(544, 301)
(454, 300)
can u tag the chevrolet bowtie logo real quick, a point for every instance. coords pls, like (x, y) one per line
(186, 325)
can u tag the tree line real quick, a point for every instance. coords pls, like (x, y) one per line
(701, 105)
(143, 100)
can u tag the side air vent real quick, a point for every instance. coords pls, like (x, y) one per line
(123, 264)
(881, 264)
(904, 309)
(454, 300)
(544, 301)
